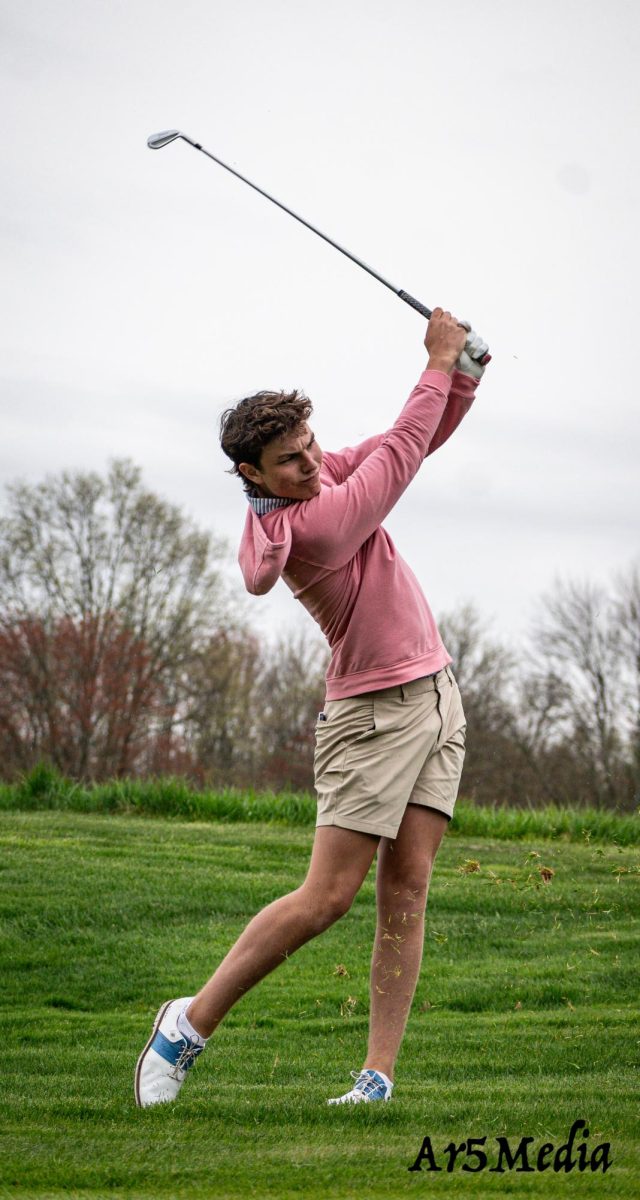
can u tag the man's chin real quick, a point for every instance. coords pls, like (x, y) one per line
(304, 491)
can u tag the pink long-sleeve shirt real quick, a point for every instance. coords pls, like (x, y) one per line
(338, 560)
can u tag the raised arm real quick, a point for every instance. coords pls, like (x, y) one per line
(342, 463)
(467, 373)
(331, 527)
(461, 397)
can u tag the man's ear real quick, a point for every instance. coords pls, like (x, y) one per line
(250, 472)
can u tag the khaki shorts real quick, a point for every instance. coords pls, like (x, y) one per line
(380, 751)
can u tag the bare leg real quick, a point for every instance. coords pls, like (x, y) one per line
(339, 863)
(402, 885)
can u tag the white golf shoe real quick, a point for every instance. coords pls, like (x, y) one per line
(369, 1085)
(166, 1058)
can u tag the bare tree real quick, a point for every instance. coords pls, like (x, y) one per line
(107, 592)
(59, 702)
(626, 612)
(290, 693)
(485, 671)
(574, 689)
(222, 719)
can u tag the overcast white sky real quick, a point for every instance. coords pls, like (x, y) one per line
(483, 157)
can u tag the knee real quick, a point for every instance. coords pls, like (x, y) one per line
(328, 907)
(405, 893)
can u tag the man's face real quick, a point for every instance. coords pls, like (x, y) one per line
(289, 466)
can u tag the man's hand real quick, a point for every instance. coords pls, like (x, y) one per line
(445, 341)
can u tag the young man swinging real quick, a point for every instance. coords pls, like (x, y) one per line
(390, 740)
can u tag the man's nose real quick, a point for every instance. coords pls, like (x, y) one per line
(308, 463)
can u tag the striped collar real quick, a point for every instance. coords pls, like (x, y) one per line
(266, 504)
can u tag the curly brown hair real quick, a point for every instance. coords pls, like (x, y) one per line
(247, 427)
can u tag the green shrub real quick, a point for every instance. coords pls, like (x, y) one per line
(167, 796)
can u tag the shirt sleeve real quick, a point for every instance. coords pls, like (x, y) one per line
(330, 528)
(461, 397)
(342, 463)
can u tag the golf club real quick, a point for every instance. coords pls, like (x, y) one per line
(157, 140)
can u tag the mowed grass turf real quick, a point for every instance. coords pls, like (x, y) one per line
(524, 1020)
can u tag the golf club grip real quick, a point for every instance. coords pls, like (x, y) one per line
(426, 312)
(421, 308)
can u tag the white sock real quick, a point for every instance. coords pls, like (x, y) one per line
(186, 1028)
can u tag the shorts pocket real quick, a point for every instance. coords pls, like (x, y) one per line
(347, 722)
(352, 714)
(456, 745)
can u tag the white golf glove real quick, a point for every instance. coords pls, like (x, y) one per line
(470, 361)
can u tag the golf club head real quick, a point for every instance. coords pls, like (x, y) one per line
(157, 140)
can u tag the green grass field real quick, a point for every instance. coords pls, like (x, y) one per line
(524, 1021)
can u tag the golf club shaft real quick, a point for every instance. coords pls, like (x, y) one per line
(421, 308)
